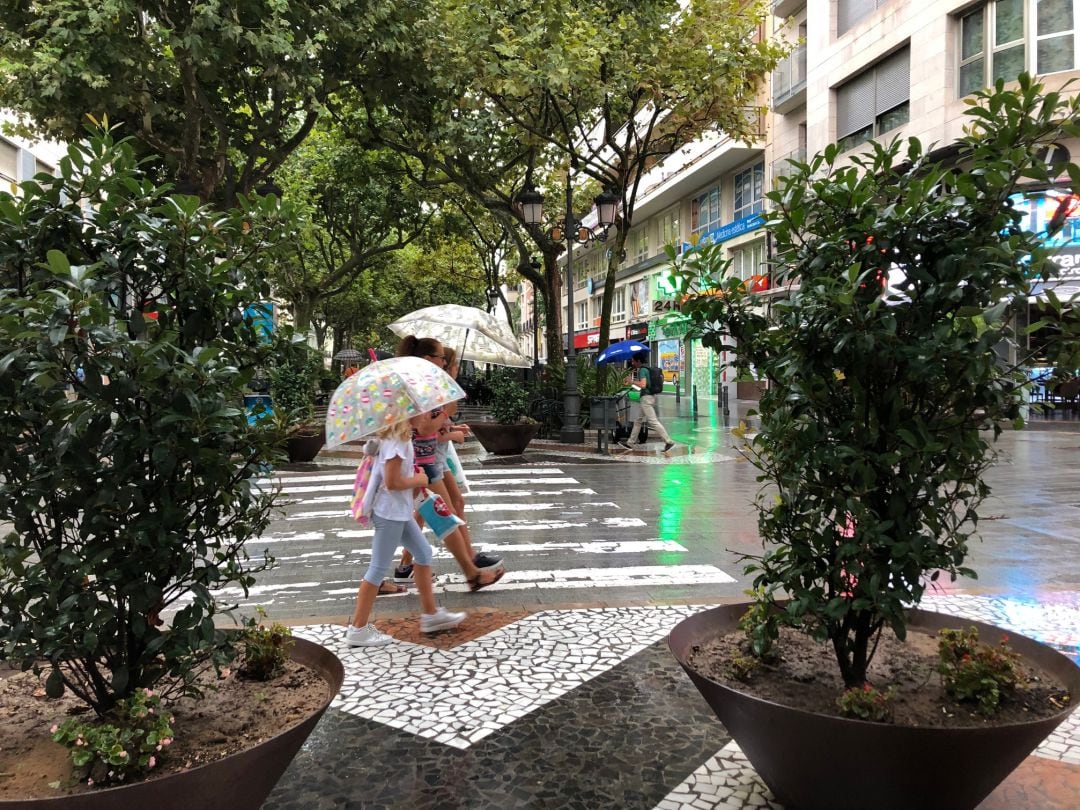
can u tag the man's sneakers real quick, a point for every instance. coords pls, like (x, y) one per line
(403, 573)
(441, 619)
(483, 560)
(367, 636)
(668, 445)
(625, 445)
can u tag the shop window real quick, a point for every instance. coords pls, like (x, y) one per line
(874, 102)
(618, 305)
(667, 229)
(749, 261)
(581, 314)
(705, 212)
(640, 244)
(750, 191)
(1003, 38)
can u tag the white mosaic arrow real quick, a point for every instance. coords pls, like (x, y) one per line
(460, 696)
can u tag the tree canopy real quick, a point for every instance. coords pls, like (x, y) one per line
(223, 92)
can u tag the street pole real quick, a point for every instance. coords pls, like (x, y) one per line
(572, 432)
(536, 333)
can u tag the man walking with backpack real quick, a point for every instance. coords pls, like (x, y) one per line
(650, 382)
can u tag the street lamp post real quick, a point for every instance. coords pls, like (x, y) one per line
(535, 265)
(570, 230)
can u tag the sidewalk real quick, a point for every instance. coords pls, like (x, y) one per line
(568, 698)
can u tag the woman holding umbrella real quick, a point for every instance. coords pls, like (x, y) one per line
(480, 570)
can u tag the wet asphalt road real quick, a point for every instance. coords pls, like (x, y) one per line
(579, 531)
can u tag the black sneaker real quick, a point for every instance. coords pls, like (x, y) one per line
(403, 573)
(482, 561)
(668, 446)
(625, 445)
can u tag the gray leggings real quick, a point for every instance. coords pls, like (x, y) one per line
(389, 534)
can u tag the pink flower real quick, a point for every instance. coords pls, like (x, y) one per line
(123, 754)
(150, 763)
(54, 729)
(90, 782)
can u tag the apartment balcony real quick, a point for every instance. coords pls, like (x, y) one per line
(781, 167)
(785, 8)
(789, 82)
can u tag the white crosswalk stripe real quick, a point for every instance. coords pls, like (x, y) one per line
(551, 531)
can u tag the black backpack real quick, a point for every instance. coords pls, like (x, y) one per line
(656, 380)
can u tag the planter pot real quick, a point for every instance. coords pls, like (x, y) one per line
(749, 389)
(504, 440)
(812, 761)
(305, 448)
(241, 781)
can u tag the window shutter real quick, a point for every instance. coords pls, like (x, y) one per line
(893, 81)
(849, 12)
(855, 104)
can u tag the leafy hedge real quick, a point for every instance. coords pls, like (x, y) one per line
(127, 463)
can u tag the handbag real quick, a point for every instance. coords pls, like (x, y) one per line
(437, 516)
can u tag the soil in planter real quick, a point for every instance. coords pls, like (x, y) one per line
(807, 677)
(233, 715)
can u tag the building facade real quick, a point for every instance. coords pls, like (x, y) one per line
(20, 160)
(861, 69)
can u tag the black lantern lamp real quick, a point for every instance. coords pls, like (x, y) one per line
(492, 298)
(570, 230)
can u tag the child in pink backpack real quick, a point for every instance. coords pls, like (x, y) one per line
(392, 516)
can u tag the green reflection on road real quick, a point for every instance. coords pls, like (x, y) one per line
(678, 488)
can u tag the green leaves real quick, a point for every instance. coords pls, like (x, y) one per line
(871, 440)
(125, 458)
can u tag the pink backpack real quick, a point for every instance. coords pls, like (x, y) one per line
(363, 499)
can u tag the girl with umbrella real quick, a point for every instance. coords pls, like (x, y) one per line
(394, 526)
(480, 570)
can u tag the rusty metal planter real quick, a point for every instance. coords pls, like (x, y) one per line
(305, 447)
(241, 781)
(504, 440)
(813, 761)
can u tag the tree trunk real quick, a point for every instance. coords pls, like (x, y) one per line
(614, 260)
(553, 309)
(303, 308)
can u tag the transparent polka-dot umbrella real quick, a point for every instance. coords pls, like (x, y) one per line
(384, 393)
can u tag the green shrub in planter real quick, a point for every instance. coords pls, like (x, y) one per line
(876, 426)
(294, 384)
(509, 397)
(127, 463)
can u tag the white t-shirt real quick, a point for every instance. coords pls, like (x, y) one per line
(396, 504)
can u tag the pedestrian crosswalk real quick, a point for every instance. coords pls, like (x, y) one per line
(553, 532)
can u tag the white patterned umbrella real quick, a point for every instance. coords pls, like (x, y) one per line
(473, 333)
(384, 393)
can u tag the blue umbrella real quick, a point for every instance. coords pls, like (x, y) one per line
(621, 351)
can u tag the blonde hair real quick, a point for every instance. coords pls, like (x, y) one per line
(399, 430)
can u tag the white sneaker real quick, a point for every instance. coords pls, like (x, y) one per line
(366, 636)
(441, 619)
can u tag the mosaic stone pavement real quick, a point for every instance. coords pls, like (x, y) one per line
(483, 685)
(498, 696)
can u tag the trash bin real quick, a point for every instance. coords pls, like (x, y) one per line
(603, 414)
